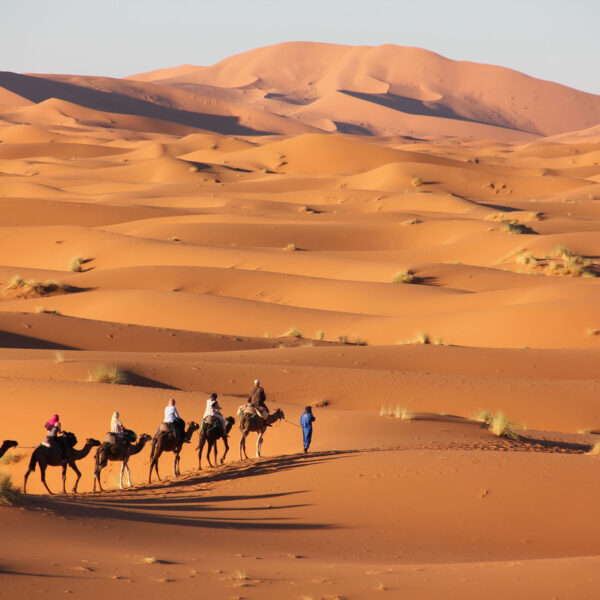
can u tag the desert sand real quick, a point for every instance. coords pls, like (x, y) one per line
(400, 240)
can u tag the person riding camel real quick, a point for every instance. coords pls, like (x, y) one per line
(174, 422)
(213, 409)
(257, 400)
(53, 428)
(117, 428)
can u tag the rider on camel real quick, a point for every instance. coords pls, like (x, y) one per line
(257, 400)
(213, 409)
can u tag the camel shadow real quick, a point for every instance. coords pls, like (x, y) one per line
(138, 505)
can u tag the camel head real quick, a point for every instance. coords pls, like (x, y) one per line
(279, 413)
(10, 444)
(193, 426)
(229, 421)
(92, 442)
(145, 437)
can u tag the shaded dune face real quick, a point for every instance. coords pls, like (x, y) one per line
(399, 240)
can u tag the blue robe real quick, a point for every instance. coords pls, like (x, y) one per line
(306, 421)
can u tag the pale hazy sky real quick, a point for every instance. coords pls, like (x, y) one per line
(550, 39)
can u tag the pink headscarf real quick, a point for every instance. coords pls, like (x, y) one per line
(52, 422)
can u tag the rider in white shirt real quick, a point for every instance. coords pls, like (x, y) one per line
(213, 409)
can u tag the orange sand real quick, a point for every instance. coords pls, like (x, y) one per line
(217, 209)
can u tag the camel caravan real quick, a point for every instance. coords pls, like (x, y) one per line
(58, 447)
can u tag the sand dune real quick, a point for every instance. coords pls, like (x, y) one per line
(372, 231)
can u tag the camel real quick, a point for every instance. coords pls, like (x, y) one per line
(250, 423)
(210, 432)
(7, 445)
(115, 452)
(166, 443)
(45, 457)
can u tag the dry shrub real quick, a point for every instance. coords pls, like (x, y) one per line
(17, 287)
(403, 277)
(293, 331)
(76, 264)
(9, 495)
(107, 374)
(499, 425)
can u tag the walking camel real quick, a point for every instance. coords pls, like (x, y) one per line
(115, 452)
(210, 432)
(7, 445)
(44, 457)
(250, 423)
(166, 442)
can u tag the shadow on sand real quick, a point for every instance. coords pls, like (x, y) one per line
(156, 503)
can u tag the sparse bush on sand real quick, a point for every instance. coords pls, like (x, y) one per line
(417, 181)
(43, 309)
(292, 331)
(107, 374)
(593, 331)
(498, 424)
(10, 458)
(291, 247)
(403, 277)
(514, 227)
(320, 335)
(400, 412)
(17, 287)
(9, 495)
(76, 264)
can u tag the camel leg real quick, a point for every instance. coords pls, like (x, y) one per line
(215, 450)
(200, 448)
(259, 443)
(43, 477)
(78, 473)
(226, 450)
(97, 478)
(154, 466)
(243, 445)
(176, 465)
(121, 475)
(128, 471)
(64, 477)
(210, 447)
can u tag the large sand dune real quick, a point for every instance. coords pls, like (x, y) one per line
(367, 230)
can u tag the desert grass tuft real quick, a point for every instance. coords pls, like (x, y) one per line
(291, 247)
(59, 357)
(107, 374)
(9, 495)
(320, 335)
(240, 575)
(293, 331)
(403, 413)
(593, 331)
(76, 264)
(403, 277)
(514, 227)
(417, 181)
(10, 458)
(499, 425)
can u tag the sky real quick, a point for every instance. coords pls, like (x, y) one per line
(550, 39)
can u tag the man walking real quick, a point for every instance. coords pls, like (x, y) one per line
(306, 421)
